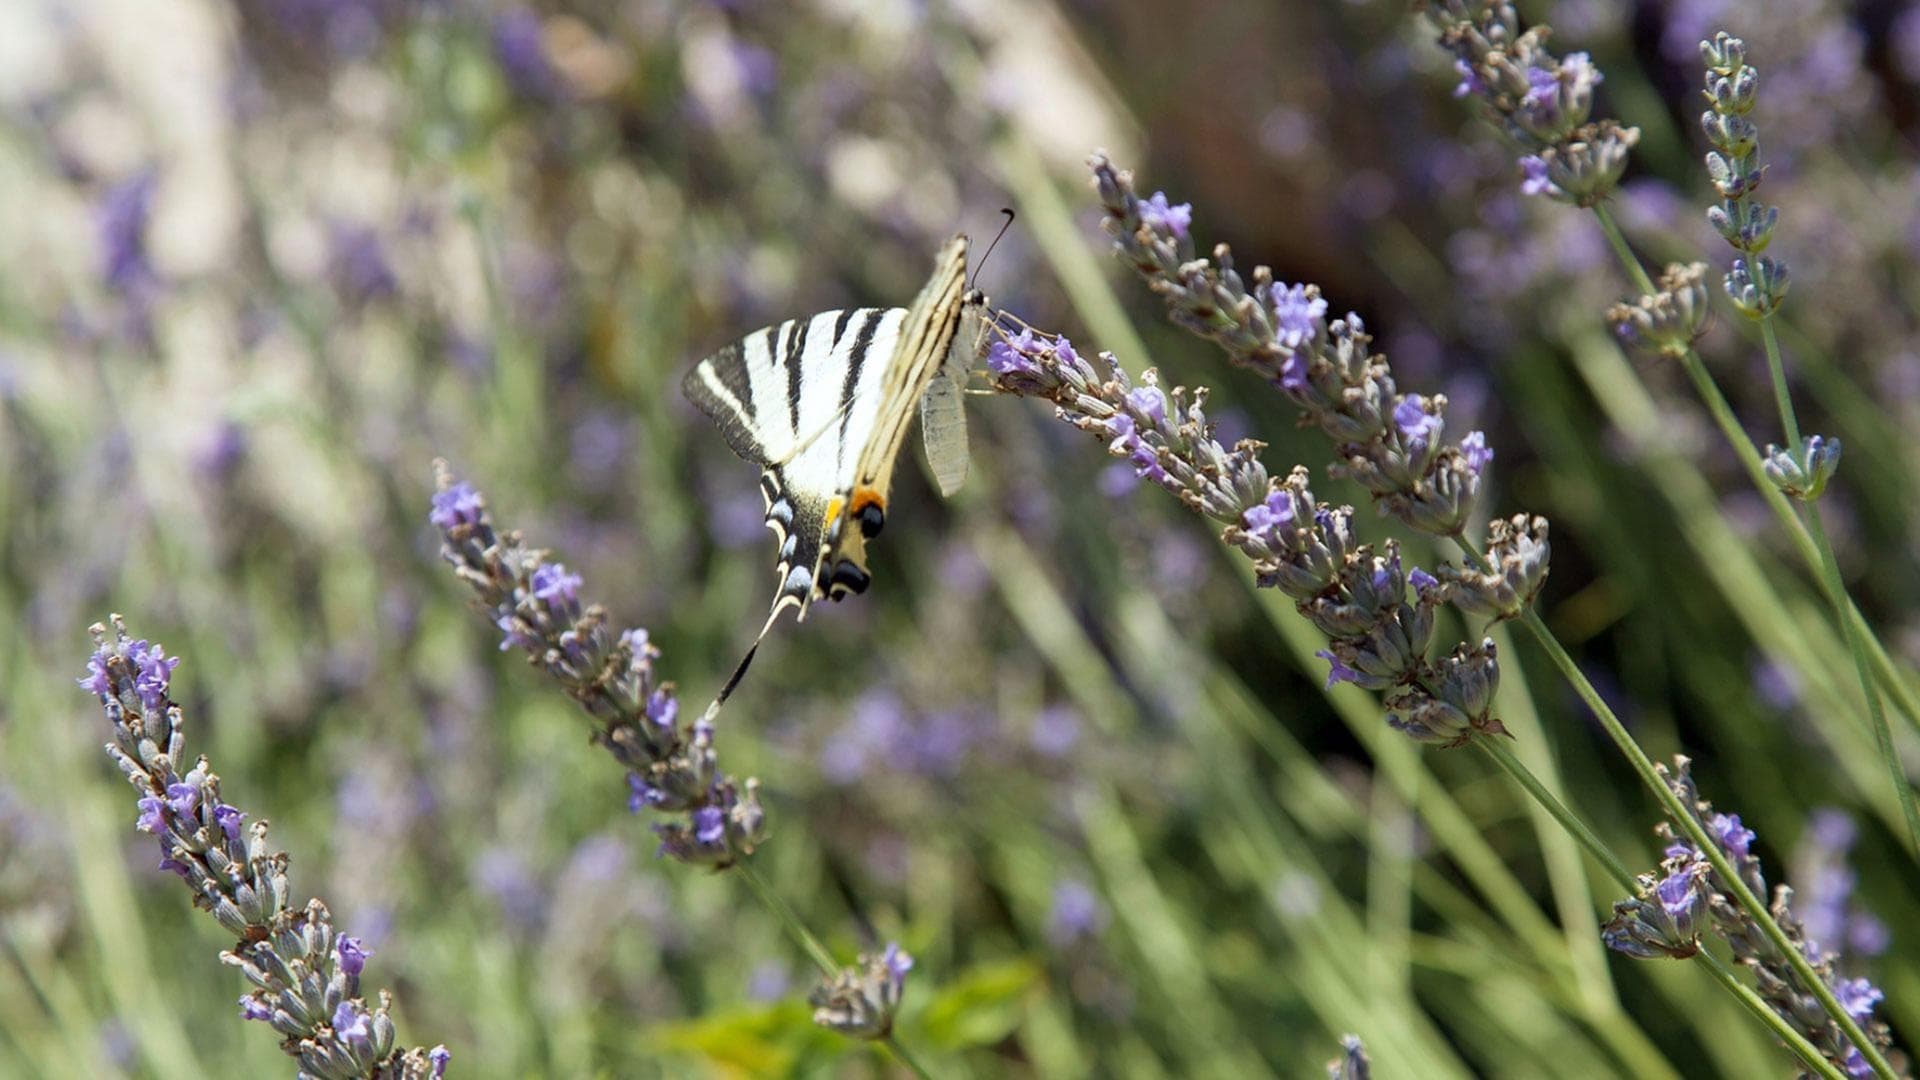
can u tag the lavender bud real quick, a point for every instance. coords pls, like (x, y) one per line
(1667, 917)
(1803, 472)
(1758, 286)
(861, 1000)
(1673, 318)
(1517, 558)
(1584, 170)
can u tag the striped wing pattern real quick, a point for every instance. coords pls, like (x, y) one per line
(823, 405)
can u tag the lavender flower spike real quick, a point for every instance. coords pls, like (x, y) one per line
(1671, 912)
(1353, 1063)
(1540, 101)
(671, 765)
(1391, 443)
(1377, 636)
(1757, 283)
(306, 976)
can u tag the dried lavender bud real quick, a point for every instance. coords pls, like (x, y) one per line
(1542, 103)
(306, 975)
(1517, 559)
(1802, 472)
(1391, 443)
(1669, 321)
(1352, 1064)
(1667, 916)
(1775, 979)
(860, 1001)
(672, 767)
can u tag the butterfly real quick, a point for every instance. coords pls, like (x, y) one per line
(823, 404)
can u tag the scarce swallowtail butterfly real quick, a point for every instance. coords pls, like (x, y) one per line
(822, 405)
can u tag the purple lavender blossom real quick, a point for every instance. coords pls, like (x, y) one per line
(1478, 454)
(1297, 314)
(353, 956)
(1533, 176)
(1470, 81)
(1418, 427)
(122, 228)
(456, 506)
(292, 956)
(1076, 913)
(357, 263)
(1175, 219)
(520, 49)
(1337, 669)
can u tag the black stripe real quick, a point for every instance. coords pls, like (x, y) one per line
(730, 364)
(856, 359)
(796, 344)
(840, 324)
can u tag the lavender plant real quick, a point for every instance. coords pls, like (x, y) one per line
(672, 767)
(1212, 300)
(1352, 1064)
(1671, 912)
(1532, 97)
(305, 973)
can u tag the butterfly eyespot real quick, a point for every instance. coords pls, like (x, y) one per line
(848, 578)
(871, 517)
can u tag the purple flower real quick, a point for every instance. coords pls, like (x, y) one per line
(898, 964)
(253, 1008)
(1479, 455)
(1533, 176)
(1727, 829)
(357, 262)
(519, 48)
(457, 505)
(1149, 402)
(641, 794)
(1063, 351)
(1296, 317)
(1470, 82)
(1014, 356)
(709, 825)
(350, 1024)
(1543, 91)
(511, 635)
(1076, 912)
(1161, 217)
(1337, 671)
(1269, 519)
(229, 819)
(122, 228)
(1421, 580)
(183, 799)
(1056, 729)
(96, 680)
(552, 583)
(152, 814)
(1676, 893)
(439, 1056)
(663, 709)
(153, 671)
(1858, 997)
(1418, 427)
(353, 958)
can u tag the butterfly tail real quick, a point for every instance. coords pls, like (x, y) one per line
(740, 669)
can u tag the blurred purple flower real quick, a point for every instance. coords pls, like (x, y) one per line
(357, 264)
(121, 223)
(1076, 913)
(503, 874)
(1174, 219)
(1056, 730)
(520, 49)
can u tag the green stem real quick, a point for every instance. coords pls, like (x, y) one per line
(1836, 590)
(1750, 459)
(796, 929)
(908, 1059)
(1808, 1054)
(1683, 817)
(1568, 820)
(815, 951)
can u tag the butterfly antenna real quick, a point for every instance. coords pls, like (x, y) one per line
(1004, 226)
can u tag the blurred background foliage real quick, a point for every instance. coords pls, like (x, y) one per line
(261, 262)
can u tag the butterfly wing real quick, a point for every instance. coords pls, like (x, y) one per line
(943, 421)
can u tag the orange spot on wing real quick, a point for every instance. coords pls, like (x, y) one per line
(865, 496)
